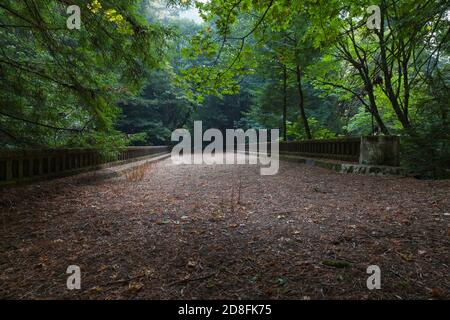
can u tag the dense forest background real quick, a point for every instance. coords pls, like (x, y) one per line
(315, 69)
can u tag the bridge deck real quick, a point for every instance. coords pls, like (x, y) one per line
(226, 232)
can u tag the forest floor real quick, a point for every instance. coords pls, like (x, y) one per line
(226, 232)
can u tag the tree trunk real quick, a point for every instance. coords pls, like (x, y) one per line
(402, 115)
(302, 103)
(361, 65)
(374, 109)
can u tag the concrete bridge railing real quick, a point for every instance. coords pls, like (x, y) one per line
(372, 150)
(29, 165)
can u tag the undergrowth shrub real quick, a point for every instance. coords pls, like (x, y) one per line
(426, 151)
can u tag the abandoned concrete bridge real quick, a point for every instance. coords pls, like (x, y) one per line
(152, 229)
(367, 155)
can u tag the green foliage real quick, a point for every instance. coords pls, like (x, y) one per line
(60, 87)
(296, 131)
(426, 151)
(375, 79)
(426, 147)
(360, 124)
(156, 112)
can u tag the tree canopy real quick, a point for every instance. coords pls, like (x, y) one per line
(61, 86)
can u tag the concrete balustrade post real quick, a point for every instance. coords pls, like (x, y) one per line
(380, 150)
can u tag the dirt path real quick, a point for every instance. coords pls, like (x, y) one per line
(226, 232)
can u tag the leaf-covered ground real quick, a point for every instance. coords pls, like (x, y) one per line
(207, 232)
